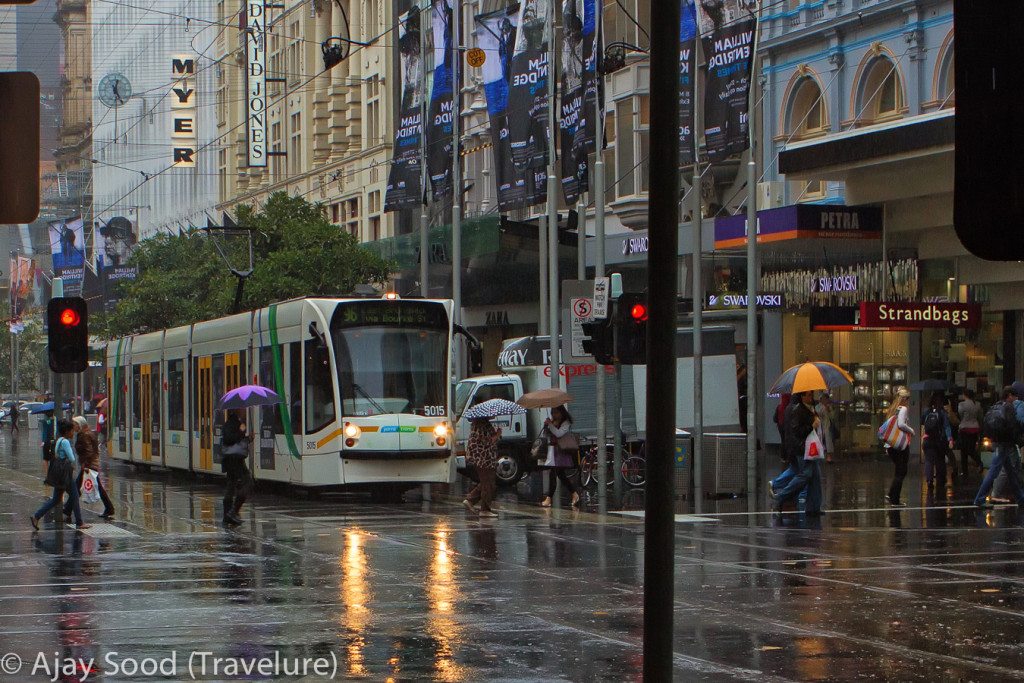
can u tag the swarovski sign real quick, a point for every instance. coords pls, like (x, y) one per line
(256, 81)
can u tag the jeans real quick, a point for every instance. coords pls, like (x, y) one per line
(1005, 456)
(900, 459)
(779, 482)
(484, 491)
(809, 477)
(55, 500)
(108, 507)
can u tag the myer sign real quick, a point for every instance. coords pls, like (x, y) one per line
(183, 111)
(256, 80)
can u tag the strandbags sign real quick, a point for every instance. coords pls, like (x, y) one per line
(404, 180)
(581, 20)
(727, 30)
(439, 125)
(256, 81)
(916, 315)
(183, 111)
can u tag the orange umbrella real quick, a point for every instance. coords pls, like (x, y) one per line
(813, 376)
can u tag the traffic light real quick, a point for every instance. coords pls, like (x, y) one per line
(68, 334)
(631, 329)
(601, 342)
(988, 152)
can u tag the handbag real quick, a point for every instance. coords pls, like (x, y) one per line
(538, 450)
(813, 448)
(568, 442)
(60, 474)
(892, 436)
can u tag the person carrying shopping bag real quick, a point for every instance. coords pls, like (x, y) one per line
(898, 444)
(88, 450)
(61, 476)
(561, 444)
(802, 426)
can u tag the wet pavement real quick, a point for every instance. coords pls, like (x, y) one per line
(426, 591)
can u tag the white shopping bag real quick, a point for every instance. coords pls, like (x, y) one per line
(813, 448)
(90, 491)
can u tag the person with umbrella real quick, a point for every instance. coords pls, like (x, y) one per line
(558, 429)
(234, 446)
(800, 421)
(482, 450)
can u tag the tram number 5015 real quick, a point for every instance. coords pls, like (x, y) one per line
(434, 411)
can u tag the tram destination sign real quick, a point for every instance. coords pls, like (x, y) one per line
(412, 313)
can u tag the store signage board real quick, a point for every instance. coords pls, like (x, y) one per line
(723, 301)
(184, 140)
(835, 284)
(919, 315)
(801, 221)
(256, 81)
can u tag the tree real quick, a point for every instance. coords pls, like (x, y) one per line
(297, 252)
(32, 363)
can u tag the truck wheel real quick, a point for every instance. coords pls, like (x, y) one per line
(508, 471)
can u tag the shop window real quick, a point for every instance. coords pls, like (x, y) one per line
(881, 94)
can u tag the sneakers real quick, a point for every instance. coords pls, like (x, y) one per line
(469, 506)
(488, 513)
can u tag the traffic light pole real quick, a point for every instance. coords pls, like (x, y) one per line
(57, 291)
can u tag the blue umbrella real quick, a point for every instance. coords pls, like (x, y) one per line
(493, 408)
(43, 408)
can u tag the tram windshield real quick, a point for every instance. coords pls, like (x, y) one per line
(392, 357)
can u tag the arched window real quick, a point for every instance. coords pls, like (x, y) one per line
(947, 81)
(881, 93)
(806, 110)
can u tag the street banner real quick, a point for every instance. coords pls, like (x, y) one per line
(404, 181)
(727, 29)
(687, 58)
(439, 124)
(67, 250)
(114, 242)
(496, 35)
(580, 22)
(23, 273)
(528, 92)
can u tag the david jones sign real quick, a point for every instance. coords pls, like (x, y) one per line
(256, 81)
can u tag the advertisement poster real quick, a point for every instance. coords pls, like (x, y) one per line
(727, 35)
(496, 36)
(528, 89)
(439, 123)
(67, 249)
(115, 240)
(404, 181)
(579, 86)
(22, 287)
(687, 57)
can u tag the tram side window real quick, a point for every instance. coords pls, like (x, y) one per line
(176, 395)
(271, 414)
(295, 384)
(195, 394)
(319, 387)
(136, 397)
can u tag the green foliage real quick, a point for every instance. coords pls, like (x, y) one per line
(296, 251)
(33, 371)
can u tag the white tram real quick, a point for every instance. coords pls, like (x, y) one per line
(364, 386)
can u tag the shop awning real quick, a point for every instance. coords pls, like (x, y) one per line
(801, 222)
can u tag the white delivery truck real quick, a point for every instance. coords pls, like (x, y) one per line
(524, 368)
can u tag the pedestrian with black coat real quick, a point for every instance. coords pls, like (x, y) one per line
(936, 441)
(234, 442)
(801, 420)
(63, 462)
(1010, 423)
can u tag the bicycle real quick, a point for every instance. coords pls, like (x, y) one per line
(633, 470)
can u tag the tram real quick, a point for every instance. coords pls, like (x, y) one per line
(364, 387)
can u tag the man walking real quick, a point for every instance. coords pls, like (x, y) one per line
(1003, 424)
(800, 421)
(234, 453)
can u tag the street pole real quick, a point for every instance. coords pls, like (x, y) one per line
(457, 162)
(58, 403)
(581, 239)
(752, 277)
(599, 256)
(662, 290)
(424, 218)
(552, 191)
(698, 339)
(542, 274)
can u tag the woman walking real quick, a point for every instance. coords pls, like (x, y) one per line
(801, 420)
(88, 451)
(482, 453)
(970, 428)
(63, 461)
(900, 458)
(559, 459)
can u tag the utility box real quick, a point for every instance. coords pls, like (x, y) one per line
(724, 464)
(683, 456)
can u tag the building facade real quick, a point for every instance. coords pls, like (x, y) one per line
(74, 146)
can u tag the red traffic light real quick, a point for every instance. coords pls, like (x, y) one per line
(69, 317)
(638, 312)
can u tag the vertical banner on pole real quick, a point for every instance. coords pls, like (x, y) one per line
(579, 88)
(727, 35)
(439, 125)
(687, 59)
(496, 36)
(528, 91)
(256, 82)
(404, 180)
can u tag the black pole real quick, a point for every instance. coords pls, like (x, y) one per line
(663, 223)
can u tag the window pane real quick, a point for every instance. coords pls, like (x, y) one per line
(176, 395)
(295, 385)
(319, 398)
(624, 159)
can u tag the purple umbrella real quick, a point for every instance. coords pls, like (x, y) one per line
(248, 396)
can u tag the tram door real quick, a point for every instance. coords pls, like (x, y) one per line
(205, 408)
(146, 410)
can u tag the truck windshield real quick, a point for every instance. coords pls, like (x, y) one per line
(462, 393)
(386, 366)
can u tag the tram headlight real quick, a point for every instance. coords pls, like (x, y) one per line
(441, 430)
(352, 431)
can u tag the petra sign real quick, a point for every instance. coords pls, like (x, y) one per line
(256, 81)
(915, 315)
(183, 111)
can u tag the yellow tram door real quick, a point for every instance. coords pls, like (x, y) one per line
(146, 408)
(205, 409)
(232, 372)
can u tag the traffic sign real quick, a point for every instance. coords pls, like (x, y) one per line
(602, 285)
(476, 57)
(582, 310)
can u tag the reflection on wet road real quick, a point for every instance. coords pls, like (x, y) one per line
(426, 591)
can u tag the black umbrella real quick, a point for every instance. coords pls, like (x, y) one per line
(930, 385)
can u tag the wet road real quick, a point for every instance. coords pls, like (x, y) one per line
(426, 591)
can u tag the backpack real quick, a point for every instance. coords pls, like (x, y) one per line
(1000, 423)
(933, 426)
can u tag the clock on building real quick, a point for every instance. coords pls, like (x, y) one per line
(114, 90)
